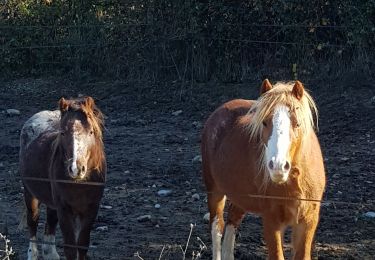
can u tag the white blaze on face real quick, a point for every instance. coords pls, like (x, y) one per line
(78, 148)
(278, 145)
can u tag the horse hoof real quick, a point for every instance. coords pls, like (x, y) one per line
(32, 254)
(51, 256)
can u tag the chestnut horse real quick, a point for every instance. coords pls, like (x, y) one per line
(264, 156)
(62, 164)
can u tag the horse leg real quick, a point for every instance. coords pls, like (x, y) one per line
(235, 216)
(68, 225)
(216, 203)
(84, 234)
(273, 231)
(32, 205)
(49, 249)
(302, 237)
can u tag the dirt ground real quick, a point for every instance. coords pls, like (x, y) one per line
(149, 148)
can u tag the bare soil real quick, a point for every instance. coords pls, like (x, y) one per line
(149, 149)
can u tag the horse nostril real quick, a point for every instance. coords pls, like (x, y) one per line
(286, 166)
(83, 168)
(270, 165)
(70, 168)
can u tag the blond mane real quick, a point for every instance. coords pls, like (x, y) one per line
(281, 94)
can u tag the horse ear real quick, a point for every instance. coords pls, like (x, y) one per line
(298, 90)
(89, 103)
(266, 86)
(63, 104)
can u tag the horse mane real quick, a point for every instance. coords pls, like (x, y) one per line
(96, 119)
(305, 110)
(281, 94)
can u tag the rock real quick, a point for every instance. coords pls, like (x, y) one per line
(13, 112)
(153, 186)
(102, 228)
(197, 124)
(144, 218)
(126, 172)
(176, 113)
(164, 193)
(206, 217)
(369, 214)
(197, 158)
(105, 207)
(195, 196)
(157, 206)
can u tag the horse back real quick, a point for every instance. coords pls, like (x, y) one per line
(224, 122)
(36, 139)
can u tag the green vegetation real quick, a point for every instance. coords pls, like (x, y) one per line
(200, 40)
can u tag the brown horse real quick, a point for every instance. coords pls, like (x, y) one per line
(62, 164)
(264, 156)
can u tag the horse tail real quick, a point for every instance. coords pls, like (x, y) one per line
(23, 220)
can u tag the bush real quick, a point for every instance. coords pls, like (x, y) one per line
(159, 40)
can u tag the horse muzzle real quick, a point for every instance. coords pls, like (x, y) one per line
(77, 170)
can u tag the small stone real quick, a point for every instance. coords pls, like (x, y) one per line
(144, 218)
(197, 158)
(188, 193)
(176, 113)
(206, 217)
(105, 207)
(369, 214)
(157, 206)
(13, 112)
(127, 171)
(344, 159)
(195, 196)
(164, 193)
(106, 189)
(102, 228)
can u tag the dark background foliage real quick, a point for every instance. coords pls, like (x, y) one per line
(185, 40)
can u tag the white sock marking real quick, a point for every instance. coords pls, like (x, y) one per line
(49, 249)
(32, 252)
(228, 242)
(216, 240)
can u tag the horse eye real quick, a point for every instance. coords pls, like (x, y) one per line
(62, 133)
(91, 132)
(264, 124)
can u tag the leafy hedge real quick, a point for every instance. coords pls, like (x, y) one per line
(158, 40)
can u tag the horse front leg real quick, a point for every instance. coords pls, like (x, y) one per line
(272, 232)
(49, 247)
(302, 237)
(32, 207)
(68, 229)
(86, 222)
(235, 216)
